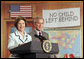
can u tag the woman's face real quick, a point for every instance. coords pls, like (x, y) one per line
(21, 25)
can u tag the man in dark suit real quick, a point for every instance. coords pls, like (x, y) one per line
(38, 23)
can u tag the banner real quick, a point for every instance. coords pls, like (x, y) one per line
(62, 17)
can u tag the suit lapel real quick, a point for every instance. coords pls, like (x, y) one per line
(35, 38)
(19, 37)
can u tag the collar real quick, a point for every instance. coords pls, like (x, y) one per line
(18, 33)
(37, 32)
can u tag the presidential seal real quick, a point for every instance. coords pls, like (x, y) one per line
(47, 46)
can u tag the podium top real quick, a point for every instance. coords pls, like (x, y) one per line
(34, 47)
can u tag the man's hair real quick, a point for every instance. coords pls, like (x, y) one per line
(35, 19)
(18, 19)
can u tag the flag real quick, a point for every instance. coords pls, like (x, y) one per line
(20, 10)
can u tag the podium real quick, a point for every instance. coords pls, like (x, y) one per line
(34, 47)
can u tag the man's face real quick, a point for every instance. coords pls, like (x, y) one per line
(39, 24)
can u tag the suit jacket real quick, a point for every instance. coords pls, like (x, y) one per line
(35, 39)
(15, 39)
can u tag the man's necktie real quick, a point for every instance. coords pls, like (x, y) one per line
(39, 32)
(40, 35)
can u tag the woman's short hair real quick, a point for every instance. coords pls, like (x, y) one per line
(18, 19)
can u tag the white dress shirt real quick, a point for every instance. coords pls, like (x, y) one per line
(37, 32)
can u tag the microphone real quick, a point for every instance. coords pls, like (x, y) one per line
(40, 37)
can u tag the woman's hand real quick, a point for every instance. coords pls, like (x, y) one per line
(20, 44)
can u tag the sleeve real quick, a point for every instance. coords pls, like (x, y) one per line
(30, 39)
(46, 36)
(11, 42)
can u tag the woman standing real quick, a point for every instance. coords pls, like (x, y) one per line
(19, 37)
